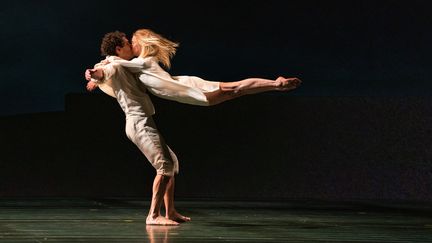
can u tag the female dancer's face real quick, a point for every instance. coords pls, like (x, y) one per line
(136, 48)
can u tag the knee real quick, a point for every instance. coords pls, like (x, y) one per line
(166, 177)
(227, 86)
(163, 179)
(164, 174)
(231, 88)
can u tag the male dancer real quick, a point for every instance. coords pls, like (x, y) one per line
(140, 127)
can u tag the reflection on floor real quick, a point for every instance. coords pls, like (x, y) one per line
(123, 220)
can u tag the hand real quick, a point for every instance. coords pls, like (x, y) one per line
(88, 73)
(95, 73)
(91, 86)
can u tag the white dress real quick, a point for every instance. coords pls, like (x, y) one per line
(183, 89)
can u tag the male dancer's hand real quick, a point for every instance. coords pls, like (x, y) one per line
(91, 86)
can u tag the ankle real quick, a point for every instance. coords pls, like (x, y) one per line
(153, 215)
(171, 212)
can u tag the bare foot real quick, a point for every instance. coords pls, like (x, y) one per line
(160, 221)
(178, 217)
(286, 84)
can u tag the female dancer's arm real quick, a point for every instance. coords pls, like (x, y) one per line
(163, 85)
(100, 77)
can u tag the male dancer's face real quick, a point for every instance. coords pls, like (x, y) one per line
(125, 52)
(136, 48)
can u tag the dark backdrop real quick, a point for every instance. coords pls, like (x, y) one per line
(358, 127)
(336, 47)
(259, 147)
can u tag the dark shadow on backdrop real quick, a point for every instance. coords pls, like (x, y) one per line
(257, 147)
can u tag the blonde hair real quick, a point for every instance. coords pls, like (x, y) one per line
(153, 44)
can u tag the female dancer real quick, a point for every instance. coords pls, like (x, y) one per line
(153, 49)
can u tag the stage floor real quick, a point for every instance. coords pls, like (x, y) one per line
(123, 220)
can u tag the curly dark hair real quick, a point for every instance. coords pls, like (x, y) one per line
(110, 41)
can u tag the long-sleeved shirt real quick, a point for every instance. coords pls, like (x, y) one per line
(132, 95)
(184, 89)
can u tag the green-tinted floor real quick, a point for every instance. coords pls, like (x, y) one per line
(123, 220)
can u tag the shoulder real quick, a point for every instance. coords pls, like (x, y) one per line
(143, 59)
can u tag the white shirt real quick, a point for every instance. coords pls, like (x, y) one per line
(184, 89)
(124, 86)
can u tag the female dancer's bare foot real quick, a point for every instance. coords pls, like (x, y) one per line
(286, 84)
(160, 221)
(178, 217)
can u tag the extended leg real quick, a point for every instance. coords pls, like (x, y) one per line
(159, 189)
(171, 212)
(231, 90)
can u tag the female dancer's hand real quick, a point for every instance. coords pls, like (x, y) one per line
(87, 74)
(95, 73)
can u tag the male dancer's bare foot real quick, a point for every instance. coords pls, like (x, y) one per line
(286, 84)
(178, 217)
(160, 221)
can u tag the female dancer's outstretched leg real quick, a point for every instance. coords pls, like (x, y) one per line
(231, 90)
